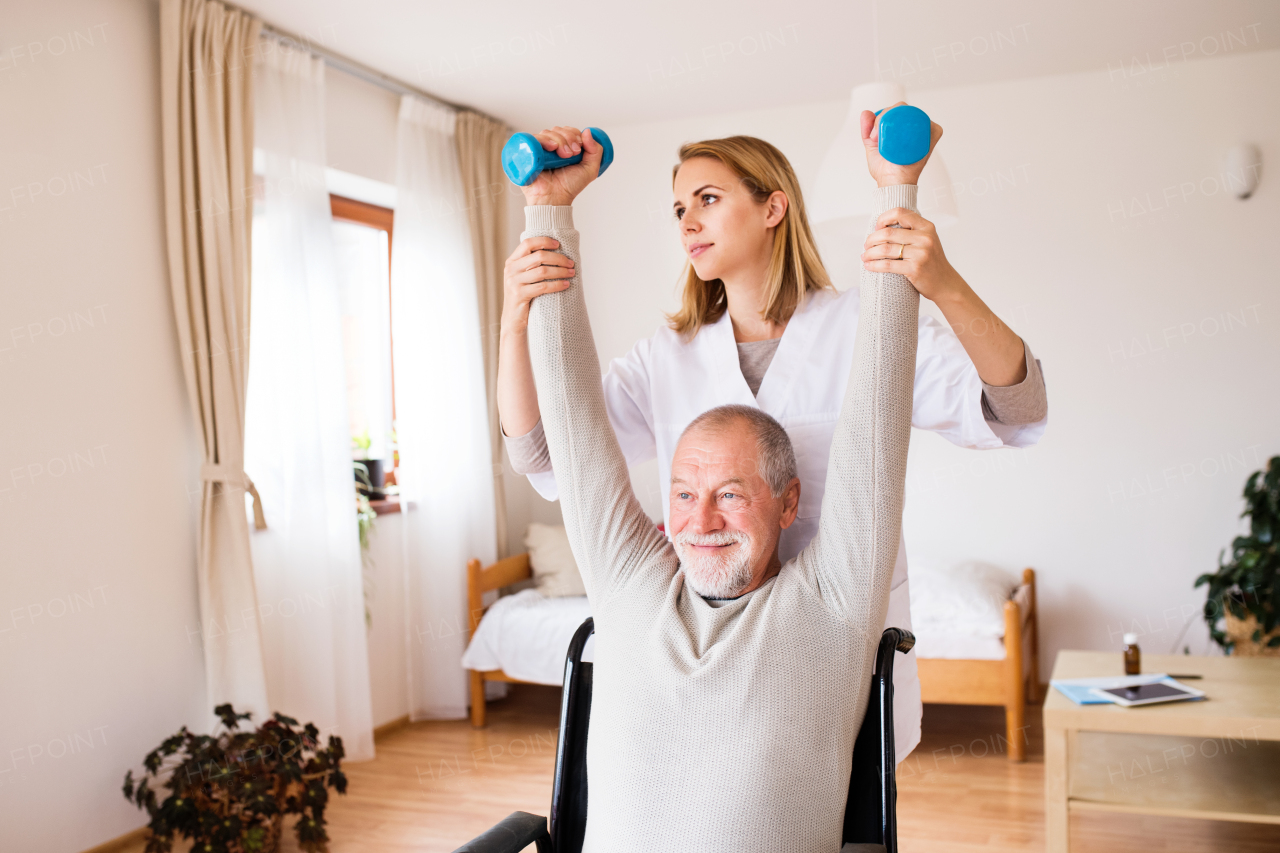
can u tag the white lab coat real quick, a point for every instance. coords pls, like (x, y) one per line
(665, 382)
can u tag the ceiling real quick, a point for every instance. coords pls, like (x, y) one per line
(609, 63)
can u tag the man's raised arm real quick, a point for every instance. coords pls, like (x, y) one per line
(609, 533)
(852, 555)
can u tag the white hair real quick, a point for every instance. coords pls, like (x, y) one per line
(777, 459)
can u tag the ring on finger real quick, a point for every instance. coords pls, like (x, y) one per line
(902, 248)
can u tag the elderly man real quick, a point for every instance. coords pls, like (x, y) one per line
(729, 688)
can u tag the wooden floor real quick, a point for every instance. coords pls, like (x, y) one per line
(436, 785)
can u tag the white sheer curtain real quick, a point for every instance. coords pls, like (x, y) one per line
(297, 444)
(441, 413)
(361, 265)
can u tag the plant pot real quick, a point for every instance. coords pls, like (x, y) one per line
(375, 475)
(270, 844)
(276, 829)
(1240, 632)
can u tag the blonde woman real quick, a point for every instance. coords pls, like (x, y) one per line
(760, 325)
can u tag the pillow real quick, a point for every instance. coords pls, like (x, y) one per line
(555, 572)
(962, 599)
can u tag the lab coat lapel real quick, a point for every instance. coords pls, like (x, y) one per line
(731, 385)
(792, 355)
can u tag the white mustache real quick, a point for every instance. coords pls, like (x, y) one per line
(716, 575)
(684, 538)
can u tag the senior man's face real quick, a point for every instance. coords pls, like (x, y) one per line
(725, 522)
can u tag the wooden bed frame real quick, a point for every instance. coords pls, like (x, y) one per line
(1012, 682)
(479, 581)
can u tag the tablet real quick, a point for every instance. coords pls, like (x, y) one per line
(1149, 694)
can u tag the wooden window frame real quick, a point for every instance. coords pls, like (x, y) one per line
(345, 209)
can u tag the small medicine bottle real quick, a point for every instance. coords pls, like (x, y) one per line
(1132, 655)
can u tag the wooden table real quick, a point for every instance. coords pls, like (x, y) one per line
(1217, 759)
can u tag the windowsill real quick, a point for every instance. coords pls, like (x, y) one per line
(386, 506)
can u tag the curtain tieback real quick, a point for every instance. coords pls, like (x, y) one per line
(210, 473)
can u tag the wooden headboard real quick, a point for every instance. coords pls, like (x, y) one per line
(1024, 599)
(485, 579)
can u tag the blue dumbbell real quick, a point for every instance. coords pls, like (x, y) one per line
(524, 158)
(904, 135)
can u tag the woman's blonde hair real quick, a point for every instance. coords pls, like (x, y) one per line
(795, 268)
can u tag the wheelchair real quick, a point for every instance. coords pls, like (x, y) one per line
(870, 820)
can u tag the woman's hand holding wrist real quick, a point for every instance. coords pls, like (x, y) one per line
(906, 243)
(534, 268)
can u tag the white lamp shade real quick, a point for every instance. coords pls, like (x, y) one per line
(843, 186)
(1242, 169)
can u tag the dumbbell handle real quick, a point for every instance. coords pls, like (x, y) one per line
(554, 162)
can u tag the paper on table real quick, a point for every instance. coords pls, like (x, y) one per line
(1079, 690)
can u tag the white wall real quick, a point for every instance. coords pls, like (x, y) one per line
(1075, 227)
(99, 643)
(384, 590)
(360, 127)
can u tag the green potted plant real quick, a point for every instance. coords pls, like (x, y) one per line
(229, 792)
(1245, 592)
(368, 469)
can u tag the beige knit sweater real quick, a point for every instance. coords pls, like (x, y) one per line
(727, 728)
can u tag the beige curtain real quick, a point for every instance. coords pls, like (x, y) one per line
(206, 61)
(480, 140)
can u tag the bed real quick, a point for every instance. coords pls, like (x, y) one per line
(966, 655)
(962, 661)
(520, 638)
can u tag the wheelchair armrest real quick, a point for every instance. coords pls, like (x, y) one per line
(516, 831)
(902, 639)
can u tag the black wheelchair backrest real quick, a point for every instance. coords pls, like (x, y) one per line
(870, 811)
(569, 790)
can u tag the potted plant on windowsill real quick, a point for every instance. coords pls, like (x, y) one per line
(368, 470)
(1245, 592)
(229, 792)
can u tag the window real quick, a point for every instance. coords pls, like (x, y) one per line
(362, 235)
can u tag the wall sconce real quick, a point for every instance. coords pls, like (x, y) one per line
(1242, 169)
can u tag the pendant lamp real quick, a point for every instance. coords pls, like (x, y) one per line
(843, 186)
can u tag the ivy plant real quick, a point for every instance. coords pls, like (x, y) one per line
(1249, 583)
(229, 792)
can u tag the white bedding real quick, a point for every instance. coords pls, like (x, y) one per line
(527, 636)
(957, 614)
(958, 646)
(957, 610)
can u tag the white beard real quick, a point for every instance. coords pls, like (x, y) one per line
(715, 576)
